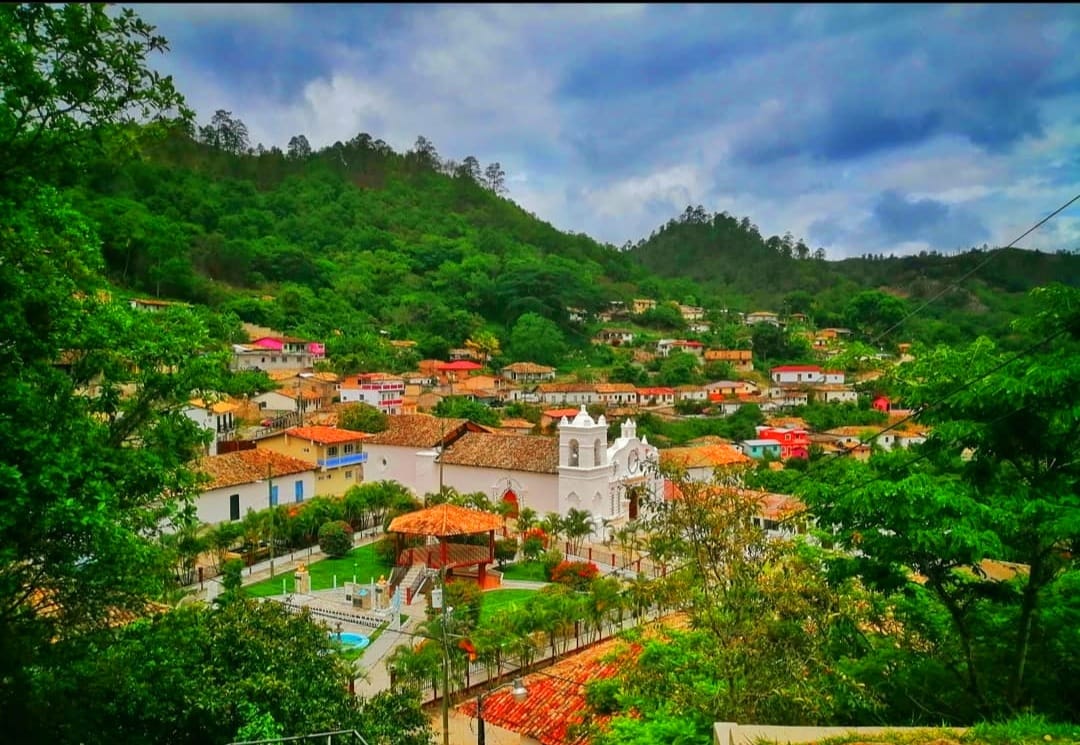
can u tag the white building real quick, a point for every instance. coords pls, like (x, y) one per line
(578, 469)
(251, 479)
(385, 393)
(216, 418)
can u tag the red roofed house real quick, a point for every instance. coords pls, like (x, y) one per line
(665, 347)
(656, 396)
(335, 452)
(794, 442)
(251, 479)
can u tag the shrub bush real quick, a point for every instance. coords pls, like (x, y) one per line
(505, 550)
(336, 538)
(550, 560)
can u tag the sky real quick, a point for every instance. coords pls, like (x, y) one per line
(859, 128)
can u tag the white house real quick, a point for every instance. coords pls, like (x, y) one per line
(385, 392)
(251, 479)
(835, 394)
(798, 374)
(216, 418)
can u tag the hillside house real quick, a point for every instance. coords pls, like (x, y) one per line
(562, 394)
(385, 392)
(217, 418)
(643, 305)
(762, 316)
(528, 372)
(665, 347)
(758, 449)
(791, 374)
(701, 462)
(691, 312)
(614, 337)
(794, 442)
(741, 360)
(616, 394)
(834, 394)
(656, 396)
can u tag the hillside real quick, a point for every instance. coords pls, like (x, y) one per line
(355, 238)
(732, 259)
(360, 243)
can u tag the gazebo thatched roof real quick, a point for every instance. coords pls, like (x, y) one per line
(444, 520)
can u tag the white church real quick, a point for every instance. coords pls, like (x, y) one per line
(577, 469)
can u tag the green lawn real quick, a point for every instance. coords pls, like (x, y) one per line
(497, 600)
(367, 565)
(532, 571)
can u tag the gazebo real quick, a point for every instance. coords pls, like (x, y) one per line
(444, 522)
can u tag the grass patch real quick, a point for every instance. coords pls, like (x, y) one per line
(498, 600)
(529, 571)
(367, 565)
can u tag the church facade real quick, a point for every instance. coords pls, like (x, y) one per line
(577, 469)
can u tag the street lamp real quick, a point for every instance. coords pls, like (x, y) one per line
(519, 692)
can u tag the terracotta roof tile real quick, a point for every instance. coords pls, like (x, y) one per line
(417, 430)
(248, 466)
(326, 435)
(707, 456)
(555, 704)
(528, 367)
(444, 520)
(505, 452)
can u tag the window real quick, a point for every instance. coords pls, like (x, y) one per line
(348, 474)
(573, 453)
(298, 491)
(273, 495)
(349, 448)
(331, 451)
(234, 506)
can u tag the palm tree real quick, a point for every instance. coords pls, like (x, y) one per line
(603, 601)
(576, 525)
(526, 519)
(553, 526)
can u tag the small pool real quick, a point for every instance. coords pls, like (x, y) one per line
(349, 639)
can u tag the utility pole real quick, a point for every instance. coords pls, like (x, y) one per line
(270, 500)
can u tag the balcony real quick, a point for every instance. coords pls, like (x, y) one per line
(352, 459)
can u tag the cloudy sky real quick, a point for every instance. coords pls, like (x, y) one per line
(863, 128)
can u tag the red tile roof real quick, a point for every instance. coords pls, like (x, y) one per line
(504, 452)
(417, 430)
(796, 368)
(326, 435)
(459, 365)
(708, 456)
(249, 466)
(445, 520)
(554, 705)
(560, 413)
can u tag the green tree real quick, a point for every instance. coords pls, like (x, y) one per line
(537, 339)
(361, 417)
(997, 480)
(336, 538)
(680, 368)
(459, 407)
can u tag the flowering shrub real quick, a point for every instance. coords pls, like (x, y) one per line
(537, 533)
(576, 574)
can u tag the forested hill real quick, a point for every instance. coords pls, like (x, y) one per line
(361, 243)
(354, 238)
(976, 291)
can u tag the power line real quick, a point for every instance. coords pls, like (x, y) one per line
(977, 267)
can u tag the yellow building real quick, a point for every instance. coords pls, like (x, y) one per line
(335, 452)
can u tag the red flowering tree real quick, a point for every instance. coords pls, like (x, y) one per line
(577, 574)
